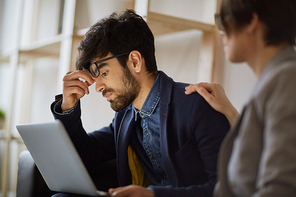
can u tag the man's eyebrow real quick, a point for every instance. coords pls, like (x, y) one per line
(101, 65)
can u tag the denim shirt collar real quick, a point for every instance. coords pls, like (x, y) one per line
(151, 101)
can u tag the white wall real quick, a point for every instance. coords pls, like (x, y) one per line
(201, 10)
(8, 20)
(44, 85)
(177, 55)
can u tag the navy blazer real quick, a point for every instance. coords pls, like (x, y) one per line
(190, 136)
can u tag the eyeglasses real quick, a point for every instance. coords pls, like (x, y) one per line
(94, 67)
(219, 23)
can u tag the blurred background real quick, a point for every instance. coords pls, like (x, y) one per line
(38, 40)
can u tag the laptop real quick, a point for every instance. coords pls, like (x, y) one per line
(57, 159)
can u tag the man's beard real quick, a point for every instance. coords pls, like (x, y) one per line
(128, 94)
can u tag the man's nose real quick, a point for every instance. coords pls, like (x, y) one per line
(100, 86)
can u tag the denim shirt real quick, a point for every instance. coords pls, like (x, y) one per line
(149, 135)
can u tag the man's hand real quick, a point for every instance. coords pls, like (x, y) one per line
(131, 191)
(74, 88)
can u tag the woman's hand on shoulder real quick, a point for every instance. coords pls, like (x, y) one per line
(215, 95)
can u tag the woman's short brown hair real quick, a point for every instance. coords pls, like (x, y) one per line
(279, 17)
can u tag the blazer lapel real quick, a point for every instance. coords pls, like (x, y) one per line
(122, 142)
(165, 98)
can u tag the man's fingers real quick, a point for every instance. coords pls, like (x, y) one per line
(120, 191)
(76, 90)
(75, 75)
(112, 190)
(76, 84)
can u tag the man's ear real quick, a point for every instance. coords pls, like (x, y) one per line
(136, 61)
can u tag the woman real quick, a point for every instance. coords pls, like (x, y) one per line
(258, 156)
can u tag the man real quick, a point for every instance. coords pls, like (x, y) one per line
(258, 156)
(160, 137)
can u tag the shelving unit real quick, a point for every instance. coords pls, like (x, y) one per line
(63, 48)
(164, 24)
(44, 48)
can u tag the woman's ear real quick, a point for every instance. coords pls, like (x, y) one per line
(136, 60)
(254, 23)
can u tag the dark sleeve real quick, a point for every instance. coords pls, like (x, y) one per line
(94, 147)
(210, 128)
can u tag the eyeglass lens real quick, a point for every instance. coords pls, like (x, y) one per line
(94, 71)
(94, 68)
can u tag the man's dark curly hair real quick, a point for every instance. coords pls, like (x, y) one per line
(117, 34)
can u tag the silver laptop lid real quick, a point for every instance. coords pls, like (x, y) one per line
(57, 159)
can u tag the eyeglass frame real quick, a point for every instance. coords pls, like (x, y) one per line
(100, 61)
(218, 21)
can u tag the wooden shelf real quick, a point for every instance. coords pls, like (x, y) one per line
(164, 24)
(4, 58)
(79, 34)
(44, 48)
